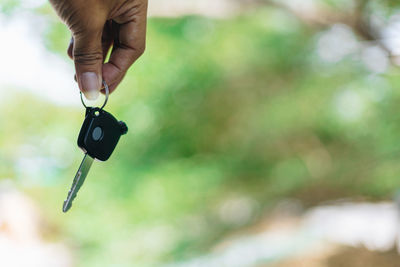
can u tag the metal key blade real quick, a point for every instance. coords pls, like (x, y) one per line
(78, 181)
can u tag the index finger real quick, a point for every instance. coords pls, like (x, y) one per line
(131, 45)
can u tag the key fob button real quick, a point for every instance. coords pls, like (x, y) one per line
(97, 133)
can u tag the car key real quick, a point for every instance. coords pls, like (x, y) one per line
(78, 181)
(98, 137)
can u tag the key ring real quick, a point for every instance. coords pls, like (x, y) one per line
(105, 101)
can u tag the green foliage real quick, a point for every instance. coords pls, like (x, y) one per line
(217, 109)
(8, 6)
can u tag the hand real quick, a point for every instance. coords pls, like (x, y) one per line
(96, 25)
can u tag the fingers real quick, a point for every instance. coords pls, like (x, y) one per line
(106, 42)
(87, 53)
(89, 48)
(130, 46)
(107, 38)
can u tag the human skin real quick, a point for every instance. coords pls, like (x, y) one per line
(96, 26)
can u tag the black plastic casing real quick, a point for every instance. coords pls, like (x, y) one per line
(112, 130)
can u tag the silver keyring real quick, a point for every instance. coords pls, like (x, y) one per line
(105, 101)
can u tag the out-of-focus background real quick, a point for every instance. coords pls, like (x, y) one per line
(261, 133)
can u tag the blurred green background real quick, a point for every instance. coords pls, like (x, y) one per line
(227, 116)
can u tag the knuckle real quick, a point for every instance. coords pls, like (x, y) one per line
(130, 11)
(88, 58)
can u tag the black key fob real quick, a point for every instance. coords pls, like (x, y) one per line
(100, 133)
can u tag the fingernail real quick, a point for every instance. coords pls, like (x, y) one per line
(90, 85)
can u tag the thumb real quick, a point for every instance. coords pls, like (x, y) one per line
(88, 58)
